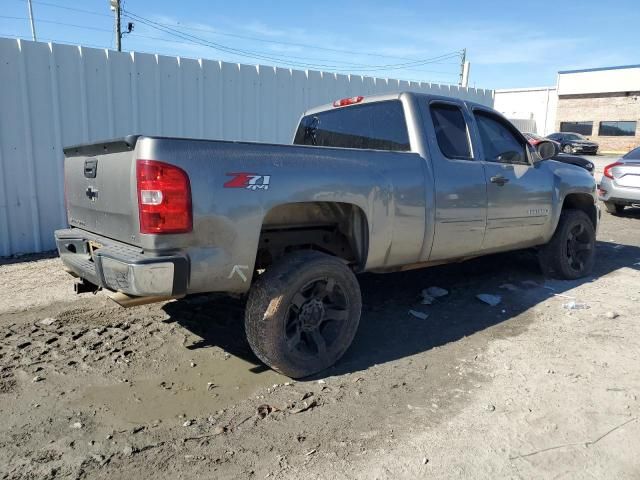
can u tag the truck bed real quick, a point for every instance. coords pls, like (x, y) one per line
(238, 189)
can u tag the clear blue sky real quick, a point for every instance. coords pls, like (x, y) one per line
(509, 43)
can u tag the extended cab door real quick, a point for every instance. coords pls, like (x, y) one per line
(519, 192)
(460, 187)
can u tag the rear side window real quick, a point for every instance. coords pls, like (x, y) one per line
(499, 142)
(378, 126)
(451, 131)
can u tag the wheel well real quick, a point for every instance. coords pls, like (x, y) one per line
(584, 202)
(336, 228)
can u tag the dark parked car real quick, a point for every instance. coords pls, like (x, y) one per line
(561, 157)
(574, 143)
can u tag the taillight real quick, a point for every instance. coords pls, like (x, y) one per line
(534, 141)
(607, 169)
(164, 198)
(343, 102)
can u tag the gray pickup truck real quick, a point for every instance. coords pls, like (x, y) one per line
(379, 184)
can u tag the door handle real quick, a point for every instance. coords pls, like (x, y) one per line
(499, 179)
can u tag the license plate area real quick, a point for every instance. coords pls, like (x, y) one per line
(92, 247)
(629, 180)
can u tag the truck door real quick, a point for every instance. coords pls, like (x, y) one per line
(519, 193)
(460, 187)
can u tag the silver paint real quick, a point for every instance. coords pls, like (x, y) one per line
(419, 206)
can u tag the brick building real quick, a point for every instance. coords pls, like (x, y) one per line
(602, 104)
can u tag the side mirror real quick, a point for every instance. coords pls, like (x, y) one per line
(547, 149)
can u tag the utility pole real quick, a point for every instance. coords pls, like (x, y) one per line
(33, 25)
(115, 7)
(463, 60)
(465, 74)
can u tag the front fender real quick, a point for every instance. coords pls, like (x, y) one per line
(573, 187)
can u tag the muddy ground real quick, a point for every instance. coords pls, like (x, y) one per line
(526, 389)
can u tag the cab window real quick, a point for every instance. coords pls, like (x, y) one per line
(499, 142)
(377, 126)
(451, 131)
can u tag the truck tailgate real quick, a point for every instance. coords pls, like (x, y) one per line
(100, 189)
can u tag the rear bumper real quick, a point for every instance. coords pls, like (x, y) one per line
(120, 267)
(588, 150)
(610, 192)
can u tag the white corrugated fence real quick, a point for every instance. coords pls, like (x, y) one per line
(54, 95)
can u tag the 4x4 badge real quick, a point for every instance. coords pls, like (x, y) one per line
(250, 181)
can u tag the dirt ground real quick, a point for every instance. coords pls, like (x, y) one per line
(525, 389)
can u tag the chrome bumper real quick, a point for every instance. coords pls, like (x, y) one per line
(120, 267)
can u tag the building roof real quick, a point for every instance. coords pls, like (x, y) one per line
(525, 89)
(598, 69)
(596, 81)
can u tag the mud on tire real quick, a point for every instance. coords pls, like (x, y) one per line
(302, 313)
(570, 253)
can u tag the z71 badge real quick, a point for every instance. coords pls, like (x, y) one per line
(249, 181)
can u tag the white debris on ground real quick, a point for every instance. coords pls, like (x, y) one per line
(427, 299)
(573, 305)
(430, 294)
(516, 378)
(436, 292)
(420, 315)
(489, 299)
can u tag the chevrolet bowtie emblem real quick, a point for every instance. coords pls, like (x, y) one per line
(92, 193)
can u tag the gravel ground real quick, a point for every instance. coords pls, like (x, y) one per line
(526, 389)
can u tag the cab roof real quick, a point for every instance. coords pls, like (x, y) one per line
(392, 96)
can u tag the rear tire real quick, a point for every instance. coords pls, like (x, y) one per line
(571, 252)
(303, 313)
(614, 208)
(567, 149)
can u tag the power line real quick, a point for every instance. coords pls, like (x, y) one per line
(53, 22)
(273, 57)
(109, 47)
(37, 2)
(351, 66)
(170, 40)
(260, 55)
(229, 34)
(280, 42)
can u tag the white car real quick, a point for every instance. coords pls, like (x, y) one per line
(620, 184)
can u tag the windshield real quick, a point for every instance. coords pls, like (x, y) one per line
(574, 136)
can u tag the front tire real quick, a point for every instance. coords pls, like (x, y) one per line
(567, 149)
(303, 313)
(571, 252)
(614, 208)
